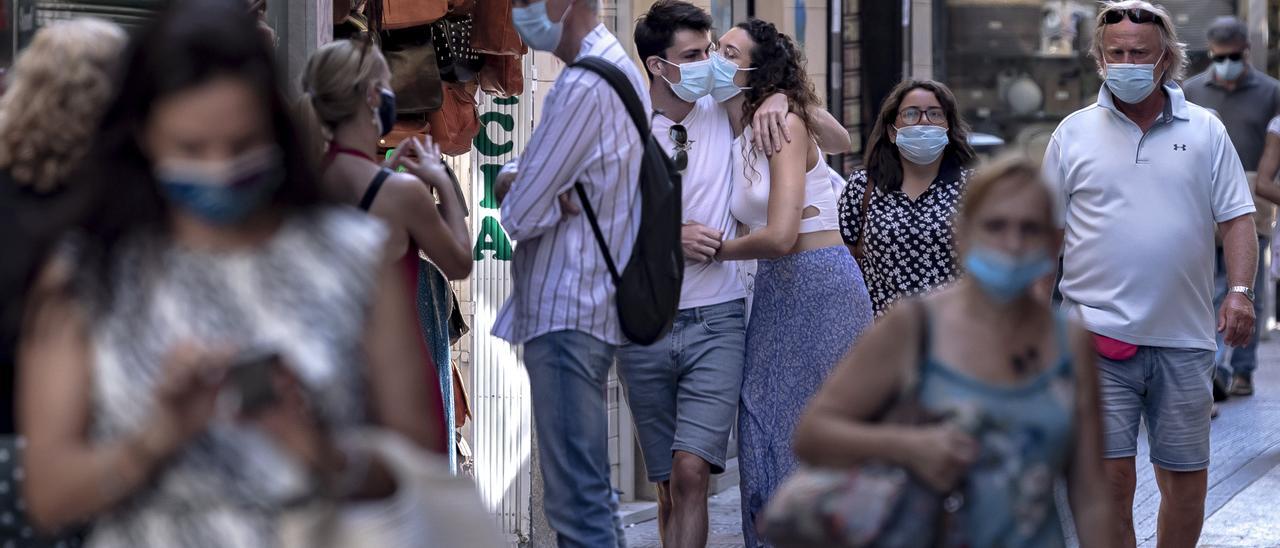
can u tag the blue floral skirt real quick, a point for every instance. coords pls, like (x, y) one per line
(807, 311)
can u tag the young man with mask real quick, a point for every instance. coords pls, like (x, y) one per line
(1144, 178)
(1246, 100)
(683, 390)
(561, 306)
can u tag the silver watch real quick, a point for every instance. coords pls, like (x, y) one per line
(1246, 291)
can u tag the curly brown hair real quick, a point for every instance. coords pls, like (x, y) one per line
(779, 64)
(58, 90)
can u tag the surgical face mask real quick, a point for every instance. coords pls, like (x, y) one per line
(1131, 83)
(1005, 277)
(695, 80)
(1228, 70)
(222, 192)
(386, 112)
(722, 73)
(922, 145)
(535, 26)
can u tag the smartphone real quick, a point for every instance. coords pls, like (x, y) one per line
(249, 382)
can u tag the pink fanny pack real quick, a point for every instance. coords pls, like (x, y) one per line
(1112, 349)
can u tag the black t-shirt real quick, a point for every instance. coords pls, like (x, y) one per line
(31, 224)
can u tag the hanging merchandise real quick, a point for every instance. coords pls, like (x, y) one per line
(459, 62)
(415, 73)
(402, 14)
(502, 75)
(495, 34)
(408, 125)
(457, 122)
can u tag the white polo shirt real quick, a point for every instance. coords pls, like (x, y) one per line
(1139, 213)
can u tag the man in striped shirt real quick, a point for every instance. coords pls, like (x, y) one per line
(561, 306)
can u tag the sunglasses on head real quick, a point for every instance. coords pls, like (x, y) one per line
(1232, 56)
(1136, 15)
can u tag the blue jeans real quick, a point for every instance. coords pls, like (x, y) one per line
(568, 375)
(1243, 360)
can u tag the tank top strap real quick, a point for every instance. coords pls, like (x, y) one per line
(375, 185)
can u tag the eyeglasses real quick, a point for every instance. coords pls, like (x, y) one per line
(912, 115)
(680, 136)
(1232, 56)
(1137, 15)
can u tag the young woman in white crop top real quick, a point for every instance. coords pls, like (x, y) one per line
(809, 302)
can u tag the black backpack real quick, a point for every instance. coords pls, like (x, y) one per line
(648, 290)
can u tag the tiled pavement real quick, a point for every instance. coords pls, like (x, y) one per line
(1243, 506)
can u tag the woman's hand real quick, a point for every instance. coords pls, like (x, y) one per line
(185, 399)
(769, 131)
(941, 455)
(421, 157)
(291, 422)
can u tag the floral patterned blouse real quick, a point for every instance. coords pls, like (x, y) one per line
(910, 247)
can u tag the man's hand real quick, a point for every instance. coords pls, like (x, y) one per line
(567, 205)
(769, 131)
(1235, 320)
(502, 185)
(700, 242)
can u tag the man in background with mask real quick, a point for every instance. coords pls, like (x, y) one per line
(683, 390)
(1144, 178)
(1245, 99)
(561, 306)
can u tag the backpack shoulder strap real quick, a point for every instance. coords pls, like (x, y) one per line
(622, 86)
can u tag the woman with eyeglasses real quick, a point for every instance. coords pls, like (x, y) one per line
(1007, 388)
(809, 302)
(896, 213)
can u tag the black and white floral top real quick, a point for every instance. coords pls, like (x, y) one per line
(910, 247)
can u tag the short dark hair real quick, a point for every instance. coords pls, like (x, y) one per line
(1228, 30)
(656, 29)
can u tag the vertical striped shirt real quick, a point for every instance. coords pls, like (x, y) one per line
(560, 279)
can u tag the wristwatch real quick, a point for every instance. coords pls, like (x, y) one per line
(1246, 291)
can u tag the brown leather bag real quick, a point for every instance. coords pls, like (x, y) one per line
(502, 75)
(458, 121)
(401, 14)
(415, 74)
(494, 33)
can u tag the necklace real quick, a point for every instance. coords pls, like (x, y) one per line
(1022, 362)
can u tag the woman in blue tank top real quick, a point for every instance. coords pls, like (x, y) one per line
(1014, 383)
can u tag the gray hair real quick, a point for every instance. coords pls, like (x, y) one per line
(1228, 30)
(1174, 51)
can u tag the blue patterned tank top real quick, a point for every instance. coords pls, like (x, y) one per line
(1025, 432)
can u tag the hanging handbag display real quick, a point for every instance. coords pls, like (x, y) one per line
(403, 14)
(458, 61)
(415, 72)
(502, 75)
(495, 34)
(457, 122)
(873, 504)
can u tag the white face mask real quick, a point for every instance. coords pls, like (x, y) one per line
(723, 71)
(535, 26)
(1228, 70)
(1132, 83)
(695, 80)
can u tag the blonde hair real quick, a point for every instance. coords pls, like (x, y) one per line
(1013, 167)
(334, 84)
(57, 92)
(1174, 51)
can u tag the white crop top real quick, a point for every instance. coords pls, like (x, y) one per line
(750, 201)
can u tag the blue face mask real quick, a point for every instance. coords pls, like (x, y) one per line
(1002, 276)
(222, 192)
(922, 145)
(1131, 83)
(722, 73)
(695, 80)
(387, 111)
(535, 26)
(1228, 70)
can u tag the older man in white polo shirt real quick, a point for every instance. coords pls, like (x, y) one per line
(1145, 177)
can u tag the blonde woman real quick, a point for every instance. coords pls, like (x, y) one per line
(57, 90)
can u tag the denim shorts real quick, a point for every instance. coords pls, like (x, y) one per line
(683, 390)
(1172, 390)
